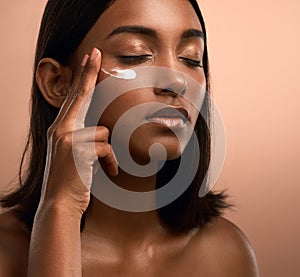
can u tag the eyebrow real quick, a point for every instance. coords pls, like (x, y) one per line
(133, 30)
(141, 30)
(192, 33)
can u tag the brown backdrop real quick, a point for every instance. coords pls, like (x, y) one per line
(254, 50)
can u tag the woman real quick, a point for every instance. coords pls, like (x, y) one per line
(54, 226)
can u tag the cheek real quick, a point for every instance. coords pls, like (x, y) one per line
(122, 109)
(112, 113)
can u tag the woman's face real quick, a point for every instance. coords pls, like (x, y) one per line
(158, 33)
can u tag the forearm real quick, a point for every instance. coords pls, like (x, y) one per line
(55, 247)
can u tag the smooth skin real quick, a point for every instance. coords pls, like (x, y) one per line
(114, 242)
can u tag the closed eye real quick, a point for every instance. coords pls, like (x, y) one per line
(191, 62)
(134, 59)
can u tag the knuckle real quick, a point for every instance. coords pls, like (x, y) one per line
(84, 91)
(56, 134)
(64, 141)
(108, 148)
(103, 131)
(103, 149)
(53, 133)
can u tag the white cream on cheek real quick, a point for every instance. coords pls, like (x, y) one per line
(126, 74)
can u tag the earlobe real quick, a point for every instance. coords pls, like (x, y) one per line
(53, 81)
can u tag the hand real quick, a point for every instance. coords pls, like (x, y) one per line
(68, 137)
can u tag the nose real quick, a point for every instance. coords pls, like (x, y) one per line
(171, 83)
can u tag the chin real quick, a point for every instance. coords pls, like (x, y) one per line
(162, 144)
(139, 149)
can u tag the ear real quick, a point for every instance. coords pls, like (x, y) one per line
(53, 80)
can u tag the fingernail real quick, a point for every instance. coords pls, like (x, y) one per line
(94, 54)
(84, 60)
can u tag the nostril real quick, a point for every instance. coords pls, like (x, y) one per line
(166, 91)
(170, 91)
(173, 83)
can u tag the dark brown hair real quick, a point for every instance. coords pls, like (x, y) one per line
(64, 25)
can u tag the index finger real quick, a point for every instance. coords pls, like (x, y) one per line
(81, 98)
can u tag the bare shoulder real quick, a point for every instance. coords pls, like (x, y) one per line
(14, 245)
(226, 249)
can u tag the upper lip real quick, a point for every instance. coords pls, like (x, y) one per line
(170, 112)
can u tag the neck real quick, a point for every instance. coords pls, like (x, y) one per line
(106, 221)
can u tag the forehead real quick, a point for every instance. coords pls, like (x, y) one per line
(162, 15)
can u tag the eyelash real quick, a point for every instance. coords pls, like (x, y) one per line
(141, 58)
(134, 59)
(191, 62)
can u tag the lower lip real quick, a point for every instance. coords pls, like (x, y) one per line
(171, 122)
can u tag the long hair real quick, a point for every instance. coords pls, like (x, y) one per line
(64, 25)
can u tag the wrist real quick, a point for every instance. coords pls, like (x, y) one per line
(61, 208)
(75, 201)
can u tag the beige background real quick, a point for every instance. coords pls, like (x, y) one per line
(254, 50)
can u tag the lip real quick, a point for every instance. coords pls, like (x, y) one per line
(171, 117)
